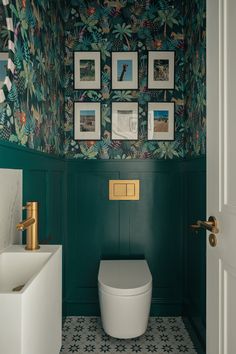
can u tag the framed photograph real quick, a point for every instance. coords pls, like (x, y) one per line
(87, 70)
(161, 70)
(124, 70)
(87, 121)
(3, 67)
(161, 122)
(124, 121)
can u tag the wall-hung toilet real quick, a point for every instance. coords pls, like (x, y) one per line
(125, 290)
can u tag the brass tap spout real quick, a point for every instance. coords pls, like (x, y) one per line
(31, 226)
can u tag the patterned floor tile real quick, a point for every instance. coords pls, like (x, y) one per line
(84, 335)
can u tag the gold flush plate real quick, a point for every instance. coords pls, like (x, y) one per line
(124, 189)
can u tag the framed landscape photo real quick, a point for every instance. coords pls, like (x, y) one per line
(161, 70)
(124, 70)
(87, 121)
(87, 70)
(161, 122)
(124, 121)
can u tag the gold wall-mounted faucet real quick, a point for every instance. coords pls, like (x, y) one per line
(31, 226)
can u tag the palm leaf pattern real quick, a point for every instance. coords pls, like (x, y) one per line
(46, 34)
(37, 96)
(142, 26)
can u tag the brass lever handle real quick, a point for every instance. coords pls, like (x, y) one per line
(23, 226)
(210, 225)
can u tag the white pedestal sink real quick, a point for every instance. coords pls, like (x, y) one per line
(30, 319)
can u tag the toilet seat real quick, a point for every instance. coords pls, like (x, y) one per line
(124, 277)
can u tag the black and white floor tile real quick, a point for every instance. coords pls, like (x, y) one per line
(164, 335)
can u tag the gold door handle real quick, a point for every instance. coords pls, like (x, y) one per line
(210, 225)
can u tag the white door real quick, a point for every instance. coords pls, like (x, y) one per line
(221, 175)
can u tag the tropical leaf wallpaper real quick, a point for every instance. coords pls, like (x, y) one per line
(46, 31)
(34, 111)
(195, 77)
(140, 25)
(122, 26)
(3, 30)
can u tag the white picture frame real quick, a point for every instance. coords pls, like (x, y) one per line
(87, 70)
(87, 121)
(161, 121)
(124, 121)
(161, 70)
(124, 70)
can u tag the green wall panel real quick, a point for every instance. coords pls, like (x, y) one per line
(55, 202)
(93, 232)
(150, 228)
(155, 231)
(75, 211)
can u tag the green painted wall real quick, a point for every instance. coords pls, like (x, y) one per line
(150, 228)
(75, 212)
(156, 227)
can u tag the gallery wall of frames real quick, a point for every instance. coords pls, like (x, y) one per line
(117, 42)
(127, 65)
(124, 115)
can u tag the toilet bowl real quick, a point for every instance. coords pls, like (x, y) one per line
(125, 290)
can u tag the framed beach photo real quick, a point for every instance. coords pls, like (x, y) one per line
(124, 121)
(124, 70)
(161, 70)
(87, 121)
(87, 70)
(161, 122)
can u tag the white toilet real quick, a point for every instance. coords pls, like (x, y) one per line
(125, 291)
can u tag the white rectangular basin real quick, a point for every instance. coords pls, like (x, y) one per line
(30, 319)
(17, 268)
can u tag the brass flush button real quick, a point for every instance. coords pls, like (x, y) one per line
(119, 189)
(131, 189)
(124, 189)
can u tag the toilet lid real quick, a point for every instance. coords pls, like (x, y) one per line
(124, 277)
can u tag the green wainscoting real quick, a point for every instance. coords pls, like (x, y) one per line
(103, 229)
(75, 211)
